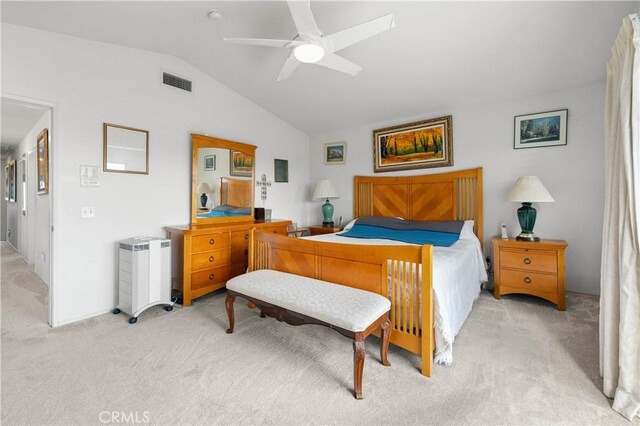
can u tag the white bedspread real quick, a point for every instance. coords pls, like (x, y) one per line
(457, 273)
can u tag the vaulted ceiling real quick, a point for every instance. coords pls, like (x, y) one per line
(439, 55)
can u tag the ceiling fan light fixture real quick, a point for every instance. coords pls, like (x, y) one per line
(308, 53)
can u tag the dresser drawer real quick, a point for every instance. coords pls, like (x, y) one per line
(529, 280)
(209, 277)
(210, 259)
(209, 242)
(540, 261)
(282, 230)
(240, 239)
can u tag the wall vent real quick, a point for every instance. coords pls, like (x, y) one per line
(172, 80)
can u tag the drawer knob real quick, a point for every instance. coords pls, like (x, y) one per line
(212, 276)
(211, 258)
(527, 261)
(527, 280)
(212, 241)
(246, 236)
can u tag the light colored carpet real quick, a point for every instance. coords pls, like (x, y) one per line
(516, 361)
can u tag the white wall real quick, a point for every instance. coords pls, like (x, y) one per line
(483, 136)
(92, 83)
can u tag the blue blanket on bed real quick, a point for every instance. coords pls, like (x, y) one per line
(441, 234)
(226, 211)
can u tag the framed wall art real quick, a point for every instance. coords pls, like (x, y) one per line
(241, 164)
(209, 162)
(125, 149)
(11, 181)
(42, 149)
(540, 129)
(335, 153)
(418, 145)
(281, 170)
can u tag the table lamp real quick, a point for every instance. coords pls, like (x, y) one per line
(527, 190)
(325, 191)
(204, 189)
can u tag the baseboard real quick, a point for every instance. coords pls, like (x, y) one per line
(81, 318)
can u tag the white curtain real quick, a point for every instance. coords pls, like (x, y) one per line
(620, 272)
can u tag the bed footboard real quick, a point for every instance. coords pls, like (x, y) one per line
(403, 274)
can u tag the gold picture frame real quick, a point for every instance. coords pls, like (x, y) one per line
(418, 145)
(42, 151)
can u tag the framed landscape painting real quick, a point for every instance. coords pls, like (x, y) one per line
(42, 148)
(241, 164)
(418, 145)
(335, 153)
(540, 129)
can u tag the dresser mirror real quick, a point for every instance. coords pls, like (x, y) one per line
(222, 181)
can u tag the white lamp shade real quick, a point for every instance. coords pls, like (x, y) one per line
(204, 188)
(529, 189)
(324, 190)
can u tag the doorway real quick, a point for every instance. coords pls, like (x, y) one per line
(27, 218)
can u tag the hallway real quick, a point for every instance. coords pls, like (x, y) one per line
(24, 295)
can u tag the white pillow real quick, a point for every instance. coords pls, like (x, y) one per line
(467, 231)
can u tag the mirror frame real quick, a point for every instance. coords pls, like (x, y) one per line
(204, 141)
(105, 127)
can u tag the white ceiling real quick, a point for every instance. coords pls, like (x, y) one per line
(439, 55)
(16, 121)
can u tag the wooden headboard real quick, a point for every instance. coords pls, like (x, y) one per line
(441, 196)
(236, 192)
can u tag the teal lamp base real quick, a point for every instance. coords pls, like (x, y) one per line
(527, 218)
(327, 212)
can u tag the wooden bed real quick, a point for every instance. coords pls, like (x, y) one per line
(386, 270)
(236, 192)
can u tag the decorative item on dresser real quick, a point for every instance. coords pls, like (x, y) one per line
(321, 229)
(535, 268)
(204, 189)
(215, 247)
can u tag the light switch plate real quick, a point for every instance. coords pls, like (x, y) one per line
(89, 176)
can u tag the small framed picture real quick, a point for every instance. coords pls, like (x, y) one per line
(335, 153)
(42, 146)
(209, 162)
(540, 129)
(281, 170)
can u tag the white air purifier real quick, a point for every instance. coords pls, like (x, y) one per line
(144, 275)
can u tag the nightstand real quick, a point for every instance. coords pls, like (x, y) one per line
(318, 230)
(535, 268)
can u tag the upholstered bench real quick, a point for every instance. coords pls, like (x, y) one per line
(299, 300)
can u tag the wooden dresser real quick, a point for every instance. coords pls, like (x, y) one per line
(319, 229)
(206, 256)
(535, 268)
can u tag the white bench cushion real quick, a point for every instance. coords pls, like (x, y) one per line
(338, 305)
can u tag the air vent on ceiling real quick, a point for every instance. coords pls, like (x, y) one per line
(172, 80)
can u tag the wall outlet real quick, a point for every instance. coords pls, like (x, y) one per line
(87, 212)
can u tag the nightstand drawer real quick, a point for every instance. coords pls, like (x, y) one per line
(529, 280)
(209, 242)
(209, 259)
(539, 261)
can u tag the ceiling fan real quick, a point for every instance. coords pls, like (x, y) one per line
(312, 47)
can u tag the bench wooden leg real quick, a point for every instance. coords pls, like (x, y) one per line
(358, 365)
(229, 304)
(385, 329)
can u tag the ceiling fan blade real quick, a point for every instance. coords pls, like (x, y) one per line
(265, 42)
(303, 18)
(357, 33)
(339, 63)
(288, 68)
